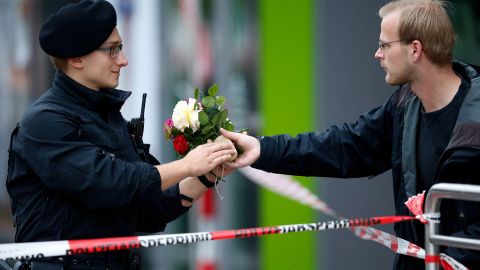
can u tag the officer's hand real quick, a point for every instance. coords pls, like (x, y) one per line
(206, 157)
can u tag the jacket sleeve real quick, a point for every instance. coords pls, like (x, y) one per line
(80, 169)
(460, 218)
(153, 217)
(354, 150)
(468, 257)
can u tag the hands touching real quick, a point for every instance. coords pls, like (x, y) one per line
(214, 157)
(199, 161)
(207, 157)
(250, 144)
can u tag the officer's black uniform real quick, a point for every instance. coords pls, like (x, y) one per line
(74, 171)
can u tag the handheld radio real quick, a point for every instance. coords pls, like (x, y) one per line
(135, 126)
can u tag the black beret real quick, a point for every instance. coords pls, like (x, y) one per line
(78, 29)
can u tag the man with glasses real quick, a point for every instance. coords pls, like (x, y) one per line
(426, 133)
(74, 171)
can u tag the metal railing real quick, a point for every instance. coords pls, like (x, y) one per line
(432, 205)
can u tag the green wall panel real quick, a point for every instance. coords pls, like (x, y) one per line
(287, 104)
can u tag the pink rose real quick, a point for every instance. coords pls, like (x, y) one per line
(169, 124)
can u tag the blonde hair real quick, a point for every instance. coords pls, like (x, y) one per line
(60, 64)
(428, 22)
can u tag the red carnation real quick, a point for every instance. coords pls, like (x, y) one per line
(180, 144)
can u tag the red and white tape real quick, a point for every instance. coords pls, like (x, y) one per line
(287, 186)
(404, 247)
(280, 184)
(396, 244)
(60, 248)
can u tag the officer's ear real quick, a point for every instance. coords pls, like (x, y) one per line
(76, 62)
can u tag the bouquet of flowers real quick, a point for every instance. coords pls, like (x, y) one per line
(193, 122)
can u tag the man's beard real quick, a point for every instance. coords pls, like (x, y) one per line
(402, 77)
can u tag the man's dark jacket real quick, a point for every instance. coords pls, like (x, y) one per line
(384, 138)
(75, 173)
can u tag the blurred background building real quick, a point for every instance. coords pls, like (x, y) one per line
(283, 66)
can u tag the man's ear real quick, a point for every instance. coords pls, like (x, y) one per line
(76, 62)
(417, 50)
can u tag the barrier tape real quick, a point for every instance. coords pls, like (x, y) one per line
(448, 263)
(404, 247)
(432, 258)
(68, 247)
(283, 185)
(396, 244)
(288, 186)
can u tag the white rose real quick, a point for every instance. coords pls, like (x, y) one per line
(185, 115)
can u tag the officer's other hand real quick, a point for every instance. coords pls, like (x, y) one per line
(206, 157)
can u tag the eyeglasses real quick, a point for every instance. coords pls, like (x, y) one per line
(381, 45)
(114, 50)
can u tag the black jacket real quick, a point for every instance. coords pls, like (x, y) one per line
(384, 139)
(75, 172)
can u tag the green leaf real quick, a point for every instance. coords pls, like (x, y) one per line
(176, 132)
(209, 136)
(208, 102)
(198, 140)
(203, 118)
(220, 100)
(212, 112)
(168, 132)
(242, 130)
(207, 129)
(195, 93)
(188, 137)
(212, 91)
(239, 149)
(227, 126)
(220, 118)
(188, 131)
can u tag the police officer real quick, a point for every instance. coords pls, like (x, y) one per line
(74, 171)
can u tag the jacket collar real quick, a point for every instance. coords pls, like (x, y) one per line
(467, 127)
(469, 110)
(107, 99)
(469, 72)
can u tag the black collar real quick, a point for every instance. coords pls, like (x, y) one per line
(107, 99)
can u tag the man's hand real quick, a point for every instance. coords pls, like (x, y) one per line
(250, 144)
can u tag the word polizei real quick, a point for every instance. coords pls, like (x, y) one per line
(59, 248)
